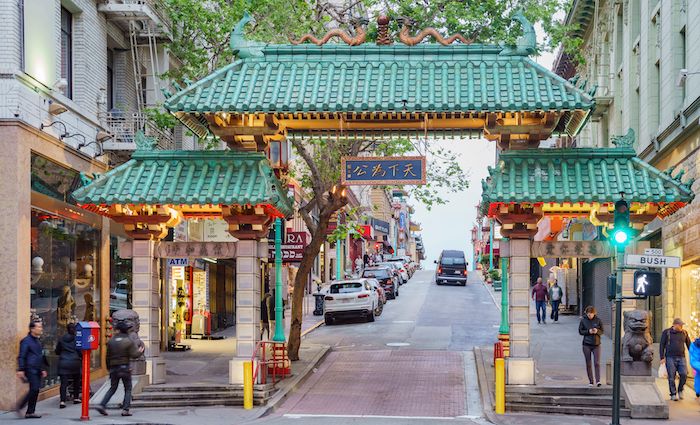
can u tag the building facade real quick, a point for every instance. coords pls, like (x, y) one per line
(640, 56)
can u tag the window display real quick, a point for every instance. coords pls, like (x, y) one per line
(64, 278)
(120, 278)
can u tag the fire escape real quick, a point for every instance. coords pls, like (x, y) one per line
(147, 26)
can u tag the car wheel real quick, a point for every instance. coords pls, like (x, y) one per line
(463, 283)
(437, 282)
(328, 321)
(379, 309)
(370, 318)
(397, 292)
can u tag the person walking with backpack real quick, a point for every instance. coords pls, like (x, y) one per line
(120, 350)
(541, 296)
(555, 296)
(31, 367)
(674, 341)
(69, 362)
(591, 328)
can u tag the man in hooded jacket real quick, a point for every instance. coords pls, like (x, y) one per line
(674, 340)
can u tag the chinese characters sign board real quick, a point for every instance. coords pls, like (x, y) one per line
(364, 170)
(292, 247)
(572, 249)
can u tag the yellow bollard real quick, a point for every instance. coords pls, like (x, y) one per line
(500, 367)
(247, 385)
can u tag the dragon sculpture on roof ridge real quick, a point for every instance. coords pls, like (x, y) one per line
(359, 38)
(406, 38)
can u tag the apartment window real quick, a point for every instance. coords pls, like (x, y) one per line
(110, 79)
(67, 50)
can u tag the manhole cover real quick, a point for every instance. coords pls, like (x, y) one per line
(562, 378)
(398, 344)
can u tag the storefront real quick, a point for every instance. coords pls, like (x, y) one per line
(66, 258)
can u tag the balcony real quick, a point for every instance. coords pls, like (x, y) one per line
(125, 125)
(149, 11)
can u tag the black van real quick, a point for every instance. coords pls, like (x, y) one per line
(451, 267)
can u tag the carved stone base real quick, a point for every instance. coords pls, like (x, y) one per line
(633, 368)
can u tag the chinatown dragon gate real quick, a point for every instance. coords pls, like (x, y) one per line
(410, 85)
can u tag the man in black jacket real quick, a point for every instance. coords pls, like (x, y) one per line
(120, 350)
(674, 341)
(31, 367)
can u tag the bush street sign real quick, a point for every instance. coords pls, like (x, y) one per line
(643, 260)
(367, 170)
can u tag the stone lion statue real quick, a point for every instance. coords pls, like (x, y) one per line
(138, 366)
(636, 344)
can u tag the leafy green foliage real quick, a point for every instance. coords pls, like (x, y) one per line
(163, 120)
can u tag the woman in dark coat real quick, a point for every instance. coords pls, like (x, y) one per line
(591, 328)
(69, 362)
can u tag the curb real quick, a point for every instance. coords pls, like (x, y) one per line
(312, 328)
(486, 402)
(297, 381)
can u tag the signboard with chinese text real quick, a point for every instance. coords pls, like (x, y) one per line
(292, 247)
(364, 170)
(380, 225)
(571, 249)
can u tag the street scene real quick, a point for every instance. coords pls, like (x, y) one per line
(350, 211)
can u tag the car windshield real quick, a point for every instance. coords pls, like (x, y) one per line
(346, 288)
(376, 273)
(452, 261)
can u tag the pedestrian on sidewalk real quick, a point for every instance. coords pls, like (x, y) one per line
(591, 328)
(674, 341)
(555, 296)
(69, 361)
(695, 363)
(120, 350)
(31, 368)
(365, 259)
(541, 296)
(358, 265)
(265, 314)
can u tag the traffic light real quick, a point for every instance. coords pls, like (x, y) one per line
(621, 232)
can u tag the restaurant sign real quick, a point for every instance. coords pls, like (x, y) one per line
(292, 247)
(366, 170)
(380, 226)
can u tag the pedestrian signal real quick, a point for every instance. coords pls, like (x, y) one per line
(647, 283)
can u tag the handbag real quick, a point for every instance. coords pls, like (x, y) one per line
(662, 373)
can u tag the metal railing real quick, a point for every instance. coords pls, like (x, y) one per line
(279, 364)
(124, 127)
(155, 5)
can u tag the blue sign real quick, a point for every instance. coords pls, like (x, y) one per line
(365, 170)
(402, 220)
(380, 225)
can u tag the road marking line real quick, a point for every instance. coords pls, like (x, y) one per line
(305, 415)
(403, 321)
(492, 296)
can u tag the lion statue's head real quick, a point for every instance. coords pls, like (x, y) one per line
(637, 321)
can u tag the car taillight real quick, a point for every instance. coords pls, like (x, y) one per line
(439, 269)
(465, 272)
(363, 296)
(328, 298)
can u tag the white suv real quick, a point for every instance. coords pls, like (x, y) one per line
(350, 298)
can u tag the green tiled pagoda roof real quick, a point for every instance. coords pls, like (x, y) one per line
(339, 78)
(188, 178)
(580, 175)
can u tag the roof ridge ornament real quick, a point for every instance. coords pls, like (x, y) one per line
(143, 142)
(359, 38)
(239, 45)
(623, 142)
(407, 39)
(526, 44)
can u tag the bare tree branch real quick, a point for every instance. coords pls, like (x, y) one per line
(316, 177)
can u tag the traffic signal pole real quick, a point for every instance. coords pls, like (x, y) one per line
(620, 255)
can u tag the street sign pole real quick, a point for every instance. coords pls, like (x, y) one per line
(279, 321)
(618, 319)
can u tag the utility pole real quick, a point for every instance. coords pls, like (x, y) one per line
(279, 325)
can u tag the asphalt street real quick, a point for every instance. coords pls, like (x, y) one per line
(414, 364)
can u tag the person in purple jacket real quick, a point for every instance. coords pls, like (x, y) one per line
(540, 294)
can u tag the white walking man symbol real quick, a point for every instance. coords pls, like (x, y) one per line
(642, 284)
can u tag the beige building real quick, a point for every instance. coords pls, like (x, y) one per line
(640, 55)
(75, 78)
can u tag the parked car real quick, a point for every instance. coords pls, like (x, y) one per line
(452, 268)
(387, 280)
(398, 265)
(118, 296)
(350, 298)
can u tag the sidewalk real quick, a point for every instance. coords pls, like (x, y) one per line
(556, 348)
(205, 363)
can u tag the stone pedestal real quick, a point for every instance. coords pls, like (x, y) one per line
(643, 398)
(520, 366)
(635, 368)
(248, 295)
(146, 302)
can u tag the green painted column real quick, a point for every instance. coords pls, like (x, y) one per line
(338, 260)
(491, 244)
(279, 321)
(504, 329)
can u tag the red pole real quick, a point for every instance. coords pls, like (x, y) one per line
(85, 416)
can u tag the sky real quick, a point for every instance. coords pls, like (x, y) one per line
(449, 226)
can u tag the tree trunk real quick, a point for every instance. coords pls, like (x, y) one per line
(307, 262)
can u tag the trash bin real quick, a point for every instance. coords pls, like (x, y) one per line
(318, 310)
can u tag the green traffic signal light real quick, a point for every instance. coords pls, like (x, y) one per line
(620, 237)
(621, 232)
